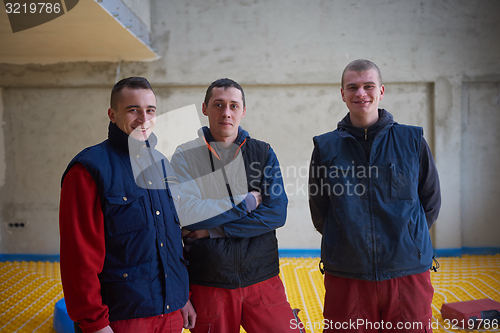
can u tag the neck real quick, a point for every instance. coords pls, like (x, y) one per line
(364, 122)
(224, 141)
(225, 144)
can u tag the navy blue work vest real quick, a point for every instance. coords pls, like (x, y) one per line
(144, 271)
(376, 227)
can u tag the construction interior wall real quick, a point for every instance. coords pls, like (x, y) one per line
(440, 65)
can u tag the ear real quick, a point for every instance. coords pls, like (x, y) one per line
(342, 93)
(204, 109)
(244, 112)
(111, 115)
(382, 91)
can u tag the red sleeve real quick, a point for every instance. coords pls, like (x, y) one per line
(81, 227)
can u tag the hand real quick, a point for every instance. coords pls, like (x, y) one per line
(185, 232)
(106, 329)
(197, 234)
(189, 315)
(258, 197)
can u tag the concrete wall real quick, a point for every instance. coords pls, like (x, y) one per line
(142, 9)
(439, 62)
(480, 164)
(43, 128)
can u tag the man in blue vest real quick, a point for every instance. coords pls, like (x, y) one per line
(232, 200)
(374, 194)
(122, 264)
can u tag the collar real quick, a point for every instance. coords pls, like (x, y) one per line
(212, 145)
(385, 119)
(123, 141)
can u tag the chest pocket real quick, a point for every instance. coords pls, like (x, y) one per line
(401, 184)
(125, 211)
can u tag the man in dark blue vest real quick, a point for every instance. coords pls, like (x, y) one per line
(122, 264)
(374, 194)
(232, 200)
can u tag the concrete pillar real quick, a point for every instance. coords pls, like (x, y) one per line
(2, 144)
(447, 232)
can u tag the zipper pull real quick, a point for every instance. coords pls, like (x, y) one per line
(366, 134)
(435, 265)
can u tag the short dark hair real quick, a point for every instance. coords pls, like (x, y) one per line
(223, 83)
(134, 82)
(361, 65)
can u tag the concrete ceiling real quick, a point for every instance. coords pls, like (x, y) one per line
(88, 32)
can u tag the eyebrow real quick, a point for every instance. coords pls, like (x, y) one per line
(354, 84)
(138, 107)
(221, 100)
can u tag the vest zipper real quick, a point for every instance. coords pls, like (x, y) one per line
(223, 169)
(238, 262)
(228, 187)
(372, 224)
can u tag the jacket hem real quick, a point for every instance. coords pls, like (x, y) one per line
(383, 277)
(233, 285)
(146, 315)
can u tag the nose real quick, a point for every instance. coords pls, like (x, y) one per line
(360, 92)
(141, 116)
(227, 112)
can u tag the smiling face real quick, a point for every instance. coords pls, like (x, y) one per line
(362, 93)
(135, 112)
(224, 111)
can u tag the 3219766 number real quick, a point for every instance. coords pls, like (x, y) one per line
(32, 8)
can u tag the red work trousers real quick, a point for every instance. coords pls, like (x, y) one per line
(401, 304)
(167, 323)
(261, 307)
